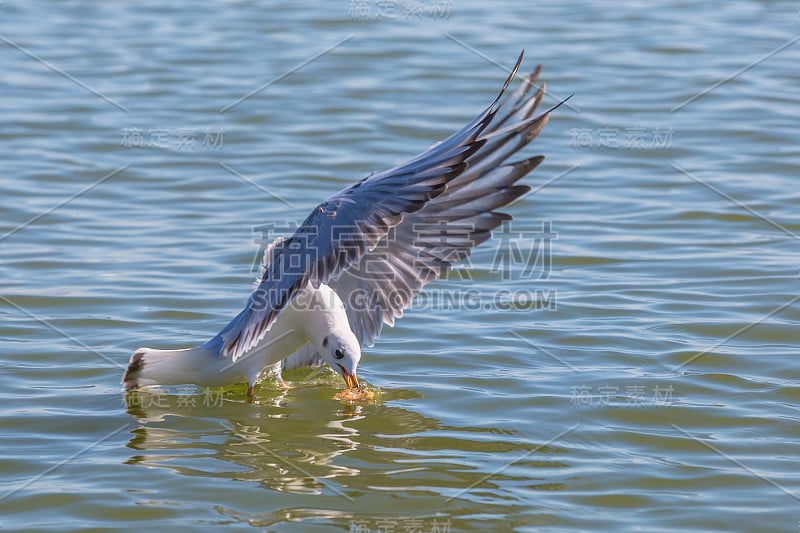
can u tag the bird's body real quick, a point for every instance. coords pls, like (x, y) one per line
(360, 257)
(313, 315)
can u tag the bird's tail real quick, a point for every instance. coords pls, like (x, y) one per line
(148, 366)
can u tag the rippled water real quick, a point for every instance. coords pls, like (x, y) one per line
(655, 387)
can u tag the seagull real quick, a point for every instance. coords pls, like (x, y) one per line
(362, 255)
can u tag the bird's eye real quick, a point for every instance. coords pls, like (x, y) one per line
(338, 354)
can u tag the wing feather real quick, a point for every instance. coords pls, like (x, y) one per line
(339, 232)
(429, 241)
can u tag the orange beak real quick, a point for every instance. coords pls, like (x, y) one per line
(349, 379)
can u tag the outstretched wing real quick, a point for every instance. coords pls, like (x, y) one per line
(340, 231)
(427, 242)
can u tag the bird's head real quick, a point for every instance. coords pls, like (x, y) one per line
(342, 353)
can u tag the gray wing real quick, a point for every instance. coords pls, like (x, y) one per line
(340, 231)
(427, 242)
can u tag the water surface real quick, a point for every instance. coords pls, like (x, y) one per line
(653, 387)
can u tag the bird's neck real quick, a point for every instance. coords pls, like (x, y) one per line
(320, 312)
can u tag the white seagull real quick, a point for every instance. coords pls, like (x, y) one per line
(362, 255)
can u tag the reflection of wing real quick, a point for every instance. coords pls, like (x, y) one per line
(426, 243)
(338, 233)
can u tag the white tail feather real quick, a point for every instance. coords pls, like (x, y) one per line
(148, 366)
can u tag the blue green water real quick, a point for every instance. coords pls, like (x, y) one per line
(648, 379)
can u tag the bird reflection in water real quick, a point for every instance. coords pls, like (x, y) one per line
(286, 446)
(302, 443)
